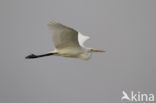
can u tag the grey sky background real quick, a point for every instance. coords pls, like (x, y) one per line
(126, 29)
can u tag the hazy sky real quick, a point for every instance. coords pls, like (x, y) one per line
(126, 29)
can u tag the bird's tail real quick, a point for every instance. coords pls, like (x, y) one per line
(33, 56)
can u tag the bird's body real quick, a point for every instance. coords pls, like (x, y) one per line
(74, 52)
(68, 42)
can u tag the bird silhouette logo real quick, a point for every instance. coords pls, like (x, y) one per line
(125, 96)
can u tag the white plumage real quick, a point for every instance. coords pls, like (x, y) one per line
(68, 42)
(82, 38)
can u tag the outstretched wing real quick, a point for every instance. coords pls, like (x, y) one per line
(63, 36)
(82, 38)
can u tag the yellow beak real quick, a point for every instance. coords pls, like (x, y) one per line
(94, 50)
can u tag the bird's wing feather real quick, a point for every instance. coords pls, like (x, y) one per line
(63, 36)
(82, 38)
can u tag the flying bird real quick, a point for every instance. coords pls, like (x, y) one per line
(67, 42)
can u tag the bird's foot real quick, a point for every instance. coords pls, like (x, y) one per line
(31, 56)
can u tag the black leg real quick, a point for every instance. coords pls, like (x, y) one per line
(32, 56)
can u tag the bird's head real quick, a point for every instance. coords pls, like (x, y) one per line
(87, 53)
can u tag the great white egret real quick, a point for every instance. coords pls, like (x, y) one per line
(68, 43)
